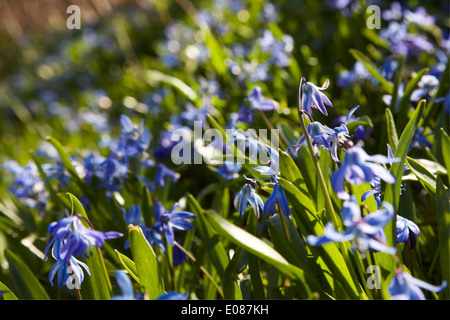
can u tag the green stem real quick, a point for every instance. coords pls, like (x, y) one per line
(284, 224)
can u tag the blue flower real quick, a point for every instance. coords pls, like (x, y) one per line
(273, 166)
(405, 287)
(365, 233)
(162, 172)
(134, 139)
(376, 191)
(258, 102)
(246, 197)
(359, 167)
(419, 139)
(171, 221)
(406, 229)
(69, 273)
(313, 97)
(277, 197)
(126, 287)
(72, 238)
(27, 185)
(112, 173)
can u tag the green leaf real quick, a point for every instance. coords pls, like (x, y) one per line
(405, 101)
(155, 75)
(385, 84)
(443, 223)
(425, 177)
(391, 130)
(128, 264)
(446, 150)
(257, 247)
(9, 295)
(231, 290)
(147, 265)
(27, 285)
(65, 159)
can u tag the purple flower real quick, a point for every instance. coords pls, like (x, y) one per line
(258, 102)
(134, 139)
(246, 197)
(406, 229)
(273, 166)
(405, 287)
(171, 221)
(359, 167)
(365, 233)
(277, 198)
(68, 273)
(162, 172)
(72, 238)
(313, 97)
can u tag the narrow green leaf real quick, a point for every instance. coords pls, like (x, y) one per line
(147, 265)
(238, 263)
(425, 177)
(258, 248)
(27, 285)
(405, 101)
(9, 295)
(128, 264)
(443, 223)
(65, 159)
(446, 150)
(155, 75)
(253, 261)
(358, 55)
(391, 130)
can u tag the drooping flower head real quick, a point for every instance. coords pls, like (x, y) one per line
(277, 197)
(364, 232)
(68, 274)
(246, 197)
(72, 238)
(313, 97)
(407, 230)
(405, 287)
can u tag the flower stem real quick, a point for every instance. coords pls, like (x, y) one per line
(284, 224)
